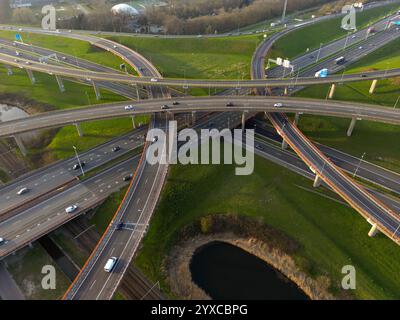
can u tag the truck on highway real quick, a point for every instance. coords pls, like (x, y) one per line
(323, 73)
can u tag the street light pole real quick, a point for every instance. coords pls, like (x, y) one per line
(79, 161)
(345, 43)
(397, 101)
(319, 52)
(362, 158)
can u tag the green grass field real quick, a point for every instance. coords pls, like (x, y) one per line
(331, 234)
(297, 42)
(202, 58)
(377, 140)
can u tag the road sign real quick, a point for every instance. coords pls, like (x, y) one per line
(18, 37)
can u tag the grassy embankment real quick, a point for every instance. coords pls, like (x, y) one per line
(198, 58)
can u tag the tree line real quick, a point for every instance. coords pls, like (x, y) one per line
(177, 17)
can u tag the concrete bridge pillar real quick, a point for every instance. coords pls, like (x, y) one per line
(332, 91)
(243, 120)
(373, 86)
(20, 145)
(373, 231)
(351, 126)
(133, 121)
(284, 144)
(171, 115)
(60, 83)
(317, 181)
(79, 129)
(193, 117)
(31, 76)
(137, 92)
(96, 90)
(286, 91)
(296, 118)
(9, 70)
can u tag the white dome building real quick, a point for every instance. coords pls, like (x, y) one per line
(124, 8)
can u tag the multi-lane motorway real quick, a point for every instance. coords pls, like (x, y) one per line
(50, 178)
(41, 218)
(208, 104)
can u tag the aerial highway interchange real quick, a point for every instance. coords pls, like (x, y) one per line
(314, 161)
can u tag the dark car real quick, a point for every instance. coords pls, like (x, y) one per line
(363, 75)
(127, 178)
(164, 106)
(120, 225)
(175, 103)
(116, 148)
(229, 104)
(77, 166)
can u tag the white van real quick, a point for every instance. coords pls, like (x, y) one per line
(110, 264)
(22, 191)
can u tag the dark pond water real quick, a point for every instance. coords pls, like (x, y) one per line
(225, 271)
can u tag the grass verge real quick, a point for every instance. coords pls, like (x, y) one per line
(106, 211)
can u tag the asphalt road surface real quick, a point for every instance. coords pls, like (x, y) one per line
(208, 104)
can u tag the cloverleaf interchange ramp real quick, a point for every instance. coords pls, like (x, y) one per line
(163, 82)
(240, 108)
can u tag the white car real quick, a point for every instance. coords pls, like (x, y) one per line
(1, 241)
(153, 80)
(278, 105)
(17, 53)
(71, 209)
(22, 191)
(130, 107)
(110, 264)
(114, 46)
